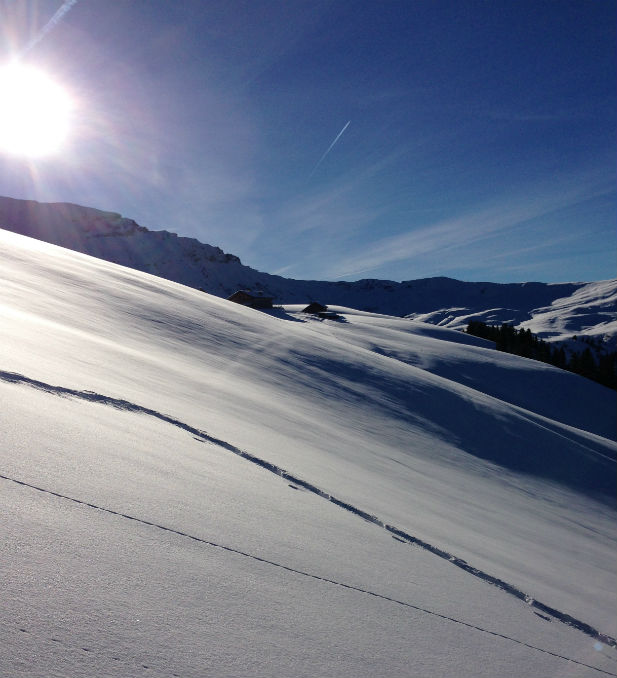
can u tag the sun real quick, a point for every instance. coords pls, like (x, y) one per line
(35, 112)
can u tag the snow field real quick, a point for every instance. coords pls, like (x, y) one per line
(398, 419)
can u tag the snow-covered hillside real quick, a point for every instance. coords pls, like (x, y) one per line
(191, 487)
(554, 311)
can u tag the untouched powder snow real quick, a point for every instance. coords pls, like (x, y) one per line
(472, 361)
(192, 488)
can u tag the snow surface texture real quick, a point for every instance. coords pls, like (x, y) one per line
(554, 311)
(191, 487)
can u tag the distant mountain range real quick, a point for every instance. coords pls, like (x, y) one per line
(554, 311)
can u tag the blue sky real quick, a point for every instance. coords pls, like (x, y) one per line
(480, 143)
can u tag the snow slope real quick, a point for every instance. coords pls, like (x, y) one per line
(555, 311)
(590, 311)
(195, 488)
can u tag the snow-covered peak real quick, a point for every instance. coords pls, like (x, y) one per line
(109, 236)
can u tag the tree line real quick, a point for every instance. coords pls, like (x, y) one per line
(601, 367)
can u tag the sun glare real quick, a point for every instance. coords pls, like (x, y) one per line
(34, 112)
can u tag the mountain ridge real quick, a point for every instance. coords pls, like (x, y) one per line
(438, 300)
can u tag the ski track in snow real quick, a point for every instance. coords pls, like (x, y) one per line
(399, 535)
(252, 556)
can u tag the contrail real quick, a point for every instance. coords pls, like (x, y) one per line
(50, 25)
(338, 136)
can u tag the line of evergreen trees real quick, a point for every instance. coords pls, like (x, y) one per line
(507, 338)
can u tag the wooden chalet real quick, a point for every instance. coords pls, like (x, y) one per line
(251, 300)
(315, 307)
(321, 311)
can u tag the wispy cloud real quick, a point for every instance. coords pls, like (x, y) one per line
(347, 203)
(488, 220)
